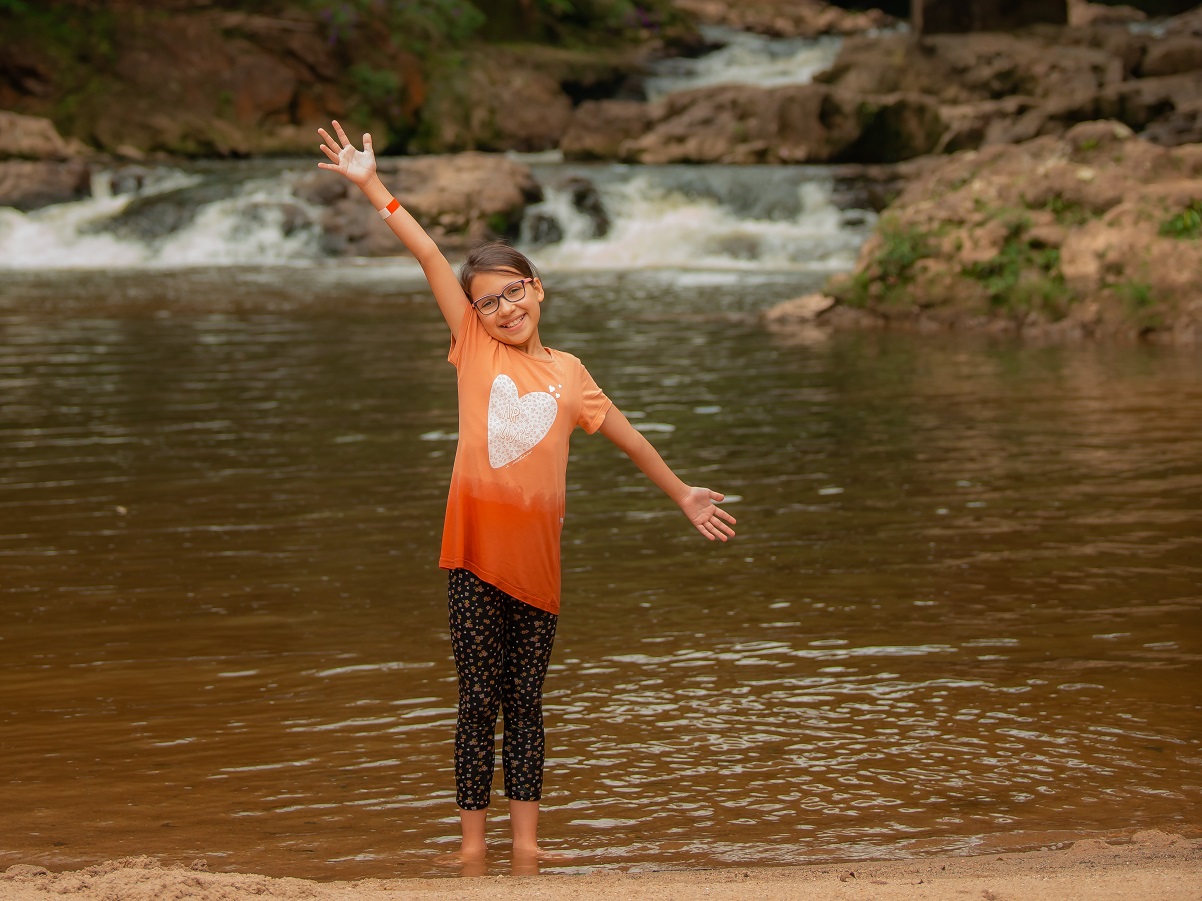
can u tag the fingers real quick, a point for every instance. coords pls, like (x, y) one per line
(717, 496)
(330, 142)
(711, 530)
(366, 143)
(341, 134)
(718, 511)
(333, 157)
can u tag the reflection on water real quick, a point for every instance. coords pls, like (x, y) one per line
(963, 608)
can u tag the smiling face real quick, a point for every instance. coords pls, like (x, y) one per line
(514, 322)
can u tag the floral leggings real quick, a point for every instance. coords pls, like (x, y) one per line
(502, 647)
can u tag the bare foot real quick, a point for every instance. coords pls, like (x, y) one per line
(469, 863)
(539, 854)
(526, 861)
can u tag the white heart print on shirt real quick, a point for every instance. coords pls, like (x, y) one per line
(516, 424)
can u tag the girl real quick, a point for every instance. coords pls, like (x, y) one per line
(518, 403)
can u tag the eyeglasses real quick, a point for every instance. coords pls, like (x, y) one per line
(490, 303)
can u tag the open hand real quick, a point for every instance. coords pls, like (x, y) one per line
(357, 165)
(711, 521)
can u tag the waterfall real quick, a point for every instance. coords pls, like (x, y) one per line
(215, 214)
(705, 217)
(744, 58)
(592, 216)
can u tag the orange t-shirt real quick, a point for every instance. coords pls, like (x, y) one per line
(506, 505)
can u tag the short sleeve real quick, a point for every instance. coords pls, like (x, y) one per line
(593, 403)
(467, 335)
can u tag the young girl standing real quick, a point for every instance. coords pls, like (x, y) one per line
(519, 402)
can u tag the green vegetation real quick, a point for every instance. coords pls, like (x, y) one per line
(378, 93)
(1186, 225)
(1139, 304)
(901, 248)
(415, 25)
(1024, 278)
(428, 25)
(1067, 212)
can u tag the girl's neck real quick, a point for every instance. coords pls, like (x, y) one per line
(534, 348)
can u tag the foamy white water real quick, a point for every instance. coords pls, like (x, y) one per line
(593, 216)
(168, 218)
(702, 218)
(748, 59)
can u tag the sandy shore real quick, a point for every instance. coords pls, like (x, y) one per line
(1149, 866)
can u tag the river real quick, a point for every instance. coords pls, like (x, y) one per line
(962, 612)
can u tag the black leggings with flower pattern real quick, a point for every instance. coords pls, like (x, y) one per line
(502, 648)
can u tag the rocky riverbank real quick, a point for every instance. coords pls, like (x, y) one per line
(1018, 214)
(1096, 234)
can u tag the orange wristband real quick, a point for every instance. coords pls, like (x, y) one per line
(393, 206)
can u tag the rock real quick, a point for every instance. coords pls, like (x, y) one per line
(587, 200)
(1182, 125)
(34, 138)
(1172, 56)
(461, 199)
(476, 109)
(1084, 14)
(790, 124)
(1139, 104)
(971, 67)
(1186, 23)
(798, 321)
(600, 129)
(28, 185)
(799, 309)
(873, 187)
(1093, 233)
(784, 18)
(200, 82)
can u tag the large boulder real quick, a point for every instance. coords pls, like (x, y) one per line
(601, 129)
(1161, 106)
(745, 124)
(1008, 88)
(971, 67)
(199, 83)
(32, 184)
(476, 110)
(461, 199)
(1096, 232)
(34, 138)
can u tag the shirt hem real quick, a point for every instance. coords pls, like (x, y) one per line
(598, 419)
(550, 606)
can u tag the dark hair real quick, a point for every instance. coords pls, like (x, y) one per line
(496, 256)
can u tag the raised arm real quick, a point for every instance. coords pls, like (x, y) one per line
(359, 166)
(697, 503)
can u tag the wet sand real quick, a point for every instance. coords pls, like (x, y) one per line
(1146, 866)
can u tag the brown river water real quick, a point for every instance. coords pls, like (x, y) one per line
(963, 612)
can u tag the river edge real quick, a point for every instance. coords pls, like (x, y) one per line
(1145, 865)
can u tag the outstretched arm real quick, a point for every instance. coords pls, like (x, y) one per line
(697, 503)
(359, 166)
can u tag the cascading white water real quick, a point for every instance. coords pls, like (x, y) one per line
(593, 216)
(167, 217)
(654, 217)
(709, 217)
(743, 58)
